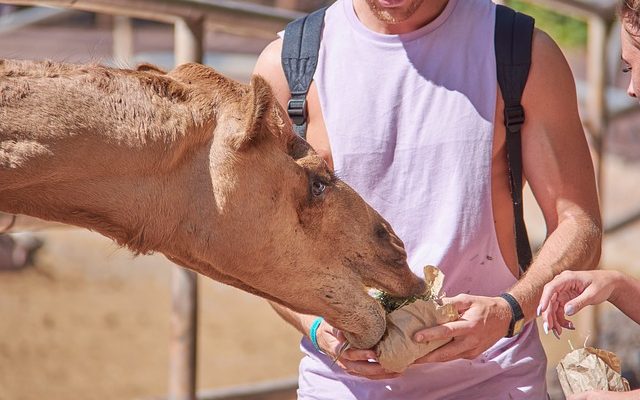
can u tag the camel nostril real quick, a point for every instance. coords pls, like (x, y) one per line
(397, 242)
(420, 287)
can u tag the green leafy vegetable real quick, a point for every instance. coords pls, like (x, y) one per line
(390, 303)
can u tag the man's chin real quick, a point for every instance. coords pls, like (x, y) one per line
(393, 11)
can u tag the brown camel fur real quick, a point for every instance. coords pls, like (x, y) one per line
(206, 171)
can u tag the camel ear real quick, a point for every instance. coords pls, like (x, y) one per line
(259, 102)
(145, 67)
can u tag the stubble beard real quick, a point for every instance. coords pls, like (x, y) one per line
(393, 16)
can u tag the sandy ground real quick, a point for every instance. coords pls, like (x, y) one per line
(89, 321)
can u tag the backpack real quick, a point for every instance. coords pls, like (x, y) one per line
(513, 40)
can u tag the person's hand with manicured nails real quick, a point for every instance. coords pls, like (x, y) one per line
(571, 291)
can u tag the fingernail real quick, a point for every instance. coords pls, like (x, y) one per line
(555, 333)
(571, 326)
(419, 338)
(545, 327)
(539, 310)
(569, 309)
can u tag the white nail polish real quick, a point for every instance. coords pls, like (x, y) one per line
(539, 310)
(569, 309)
(545, 327)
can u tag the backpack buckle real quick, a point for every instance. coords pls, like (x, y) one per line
(514, 118)
(297, 110)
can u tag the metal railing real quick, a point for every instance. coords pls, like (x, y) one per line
(231, 16)
(190, 19)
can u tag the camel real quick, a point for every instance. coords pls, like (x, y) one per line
(204, 170)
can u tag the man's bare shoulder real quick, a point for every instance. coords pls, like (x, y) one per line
(269, 67)
(555, 153)
(269, 58)
(550, 75)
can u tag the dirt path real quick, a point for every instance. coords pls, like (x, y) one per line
(91, 322)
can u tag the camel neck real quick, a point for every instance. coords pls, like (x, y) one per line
(107, 196)
(97, 148)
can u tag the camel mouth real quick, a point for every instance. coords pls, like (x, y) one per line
(413, 289)
(366, 323)
(399, 282)
(391, 303)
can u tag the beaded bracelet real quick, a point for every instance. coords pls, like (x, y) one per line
(313, 333)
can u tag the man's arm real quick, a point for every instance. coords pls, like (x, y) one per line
(330, 340)
(558, 166)
(559, 169)
(269, 67)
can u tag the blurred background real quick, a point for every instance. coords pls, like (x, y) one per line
(82, 319)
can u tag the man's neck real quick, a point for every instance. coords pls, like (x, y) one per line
(427, 12)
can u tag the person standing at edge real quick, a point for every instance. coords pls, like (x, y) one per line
(571, 291)
(406, 108)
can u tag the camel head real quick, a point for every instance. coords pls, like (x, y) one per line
(204, 170)
(294, 232)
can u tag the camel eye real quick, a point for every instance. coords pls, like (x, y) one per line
(317, 188)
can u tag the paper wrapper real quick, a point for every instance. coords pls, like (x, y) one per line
(590, 369)
(397, 349)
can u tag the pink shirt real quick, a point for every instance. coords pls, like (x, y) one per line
(410, 123)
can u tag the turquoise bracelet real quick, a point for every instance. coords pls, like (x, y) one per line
(313, 333)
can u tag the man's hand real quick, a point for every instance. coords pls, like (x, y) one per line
(353, 361)
(483, 320)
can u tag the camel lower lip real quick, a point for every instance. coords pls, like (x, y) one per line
(390, 292)
(374, 291)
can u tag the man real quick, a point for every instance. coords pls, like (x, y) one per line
(405, 106)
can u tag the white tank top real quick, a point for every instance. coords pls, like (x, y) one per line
(410, 123)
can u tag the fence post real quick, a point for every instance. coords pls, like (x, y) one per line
(599, 29)
(122, 39)
(288, 4)
(188, 47)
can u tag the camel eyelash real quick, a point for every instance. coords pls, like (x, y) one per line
(335, 176)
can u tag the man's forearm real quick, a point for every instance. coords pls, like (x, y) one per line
(626, 296)
(573, 245)
(302, 322)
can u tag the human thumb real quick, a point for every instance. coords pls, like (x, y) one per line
(583, 299)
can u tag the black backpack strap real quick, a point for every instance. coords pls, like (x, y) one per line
(300, 48)
(513, 39)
